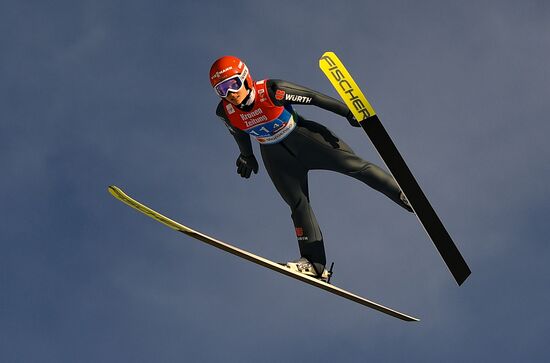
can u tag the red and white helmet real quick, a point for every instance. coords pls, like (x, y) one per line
(229, 74)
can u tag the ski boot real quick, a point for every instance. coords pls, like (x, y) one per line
(305, 267)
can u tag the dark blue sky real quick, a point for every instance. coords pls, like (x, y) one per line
(116, 92)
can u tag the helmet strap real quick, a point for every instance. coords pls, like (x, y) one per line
(249, 99)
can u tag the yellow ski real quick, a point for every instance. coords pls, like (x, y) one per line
(123, 197)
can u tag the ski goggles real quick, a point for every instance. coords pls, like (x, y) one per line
(232, 84)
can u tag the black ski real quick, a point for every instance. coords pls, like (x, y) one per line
(365, 114)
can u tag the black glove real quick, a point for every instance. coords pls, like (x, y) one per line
(352, 120)
(246, 164)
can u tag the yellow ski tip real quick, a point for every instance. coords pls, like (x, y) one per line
(346, 87)
(115, 191)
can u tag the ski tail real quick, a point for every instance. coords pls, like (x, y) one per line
(429, 219)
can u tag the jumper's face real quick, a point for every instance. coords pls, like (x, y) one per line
(237, 97)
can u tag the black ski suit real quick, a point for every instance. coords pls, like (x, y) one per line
(309, 146)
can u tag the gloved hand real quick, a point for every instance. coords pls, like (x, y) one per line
(352, 120)
(246, 164)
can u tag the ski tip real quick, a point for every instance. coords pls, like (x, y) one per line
(328, 54)
(343, 82)
(115, 191)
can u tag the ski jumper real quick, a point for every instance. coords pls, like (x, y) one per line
(291, 146)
